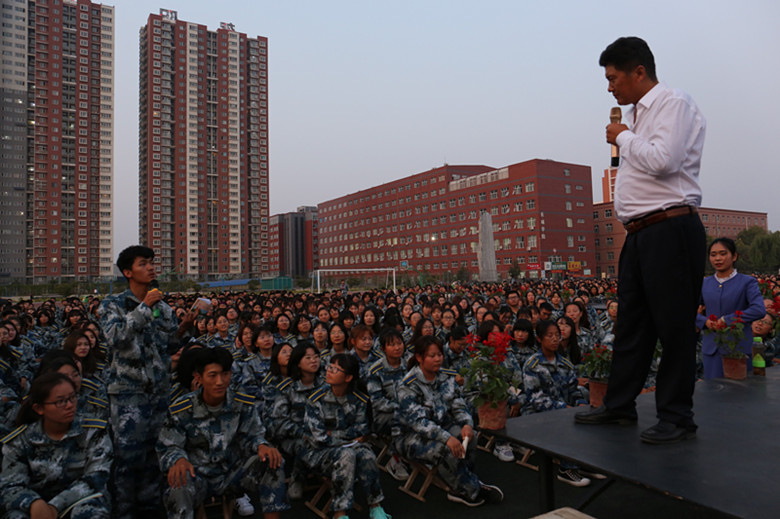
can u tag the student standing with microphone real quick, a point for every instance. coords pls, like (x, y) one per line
(657, 194)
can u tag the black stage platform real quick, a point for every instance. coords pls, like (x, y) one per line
(730, 467)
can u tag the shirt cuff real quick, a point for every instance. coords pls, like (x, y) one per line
(624, 137)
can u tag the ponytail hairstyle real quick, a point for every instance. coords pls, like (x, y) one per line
(39, 393)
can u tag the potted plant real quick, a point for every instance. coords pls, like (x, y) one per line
(727, 338)
(488, 378)
(597, 364)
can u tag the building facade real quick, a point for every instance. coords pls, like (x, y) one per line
(429, 222)
(56, 186)
(293, 242)
(203, 148)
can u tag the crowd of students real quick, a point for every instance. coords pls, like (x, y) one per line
(143, 401)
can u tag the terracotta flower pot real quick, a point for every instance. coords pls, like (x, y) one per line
(735, 369)
(597, 388)
(493, 418)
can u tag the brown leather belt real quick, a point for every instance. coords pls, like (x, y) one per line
(658, 216)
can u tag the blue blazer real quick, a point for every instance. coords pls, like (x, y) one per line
(723, 299)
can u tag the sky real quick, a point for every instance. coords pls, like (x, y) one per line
(365, 92)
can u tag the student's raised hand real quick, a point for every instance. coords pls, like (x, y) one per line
(177, 475)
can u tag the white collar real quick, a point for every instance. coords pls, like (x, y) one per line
(723, 280)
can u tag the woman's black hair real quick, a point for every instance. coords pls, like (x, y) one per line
(584, 321)
(275, 368)
(421, 347)
(419, 326)
(54, 360)
(265, 328)
(297, 355)
(185, 369)
(543, 326)
(728, 243)
(349, 363)
(343, 330)
(298, 320)
(526, 326)
(571, 349)
(89, 364)
(486, 327)
(276, 323)
(377, 318)
(346, 314)
(388, 335)
(40, 389)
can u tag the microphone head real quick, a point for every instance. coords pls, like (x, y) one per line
(615, 115)
(154, 285)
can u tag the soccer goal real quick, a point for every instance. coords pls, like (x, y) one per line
(315, 278)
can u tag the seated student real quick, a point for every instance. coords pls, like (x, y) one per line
(93, 399)
(339, 343)
(221, 337)
(336, 423)
(455, 355)
(285, 405)
(550, 381)
(212, 443)
(32, 484)
(361, 342)
(384, 377)
(434, 421)
(764, 328)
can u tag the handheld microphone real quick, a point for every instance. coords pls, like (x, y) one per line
(615, 115)
(155, 285)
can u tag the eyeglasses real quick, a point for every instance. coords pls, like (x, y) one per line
(63, 402)
(333, 368)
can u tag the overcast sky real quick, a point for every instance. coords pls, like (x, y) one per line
(364, 92)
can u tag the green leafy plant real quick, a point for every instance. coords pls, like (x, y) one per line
(598, 363)
(485, 373)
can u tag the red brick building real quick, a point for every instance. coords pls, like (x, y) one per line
(203, 148)
(428, 222)
(56, 187)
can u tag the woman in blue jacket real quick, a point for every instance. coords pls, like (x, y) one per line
(723, 294)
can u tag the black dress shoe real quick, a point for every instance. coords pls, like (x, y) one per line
(664, 433)
(602, 416)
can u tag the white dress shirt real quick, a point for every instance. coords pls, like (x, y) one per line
(660, 154)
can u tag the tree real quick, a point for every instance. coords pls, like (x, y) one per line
(514, 269)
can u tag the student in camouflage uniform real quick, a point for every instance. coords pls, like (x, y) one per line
(336, 423)
(139, 328)
(93, 400)
(550, 381)
(383, 380)
(361, 342)
(434, 421)
(212, 443)
(56, 459)
(285, 407)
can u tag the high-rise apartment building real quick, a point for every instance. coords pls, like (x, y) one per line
(292, 247)
(203, 148)
(429, 222)
(57, 96)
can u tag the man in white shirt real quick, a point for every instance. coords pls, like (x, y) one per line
(661, 265)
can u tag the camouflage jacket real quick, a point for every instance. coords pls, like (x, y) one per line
(549, 384)
(331, 421)
(61, 472)
(430, 408)
(284, 407)
(214, 441)
(138, 359)
(383, 382)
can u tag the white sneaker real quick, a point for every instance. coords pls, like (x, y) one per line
(295, 490)
(397, 469)
(503, 451)
(244, 506)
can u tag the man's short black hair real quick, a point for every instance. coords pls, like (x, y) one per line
(627, 53)
(208, 356)
(127, 257)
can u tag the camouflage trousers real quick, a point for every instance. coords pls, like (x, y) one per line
(136, 420)
(253, 478)
(97, 508)
(457, 473)
(293, 449)
(344, 465)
